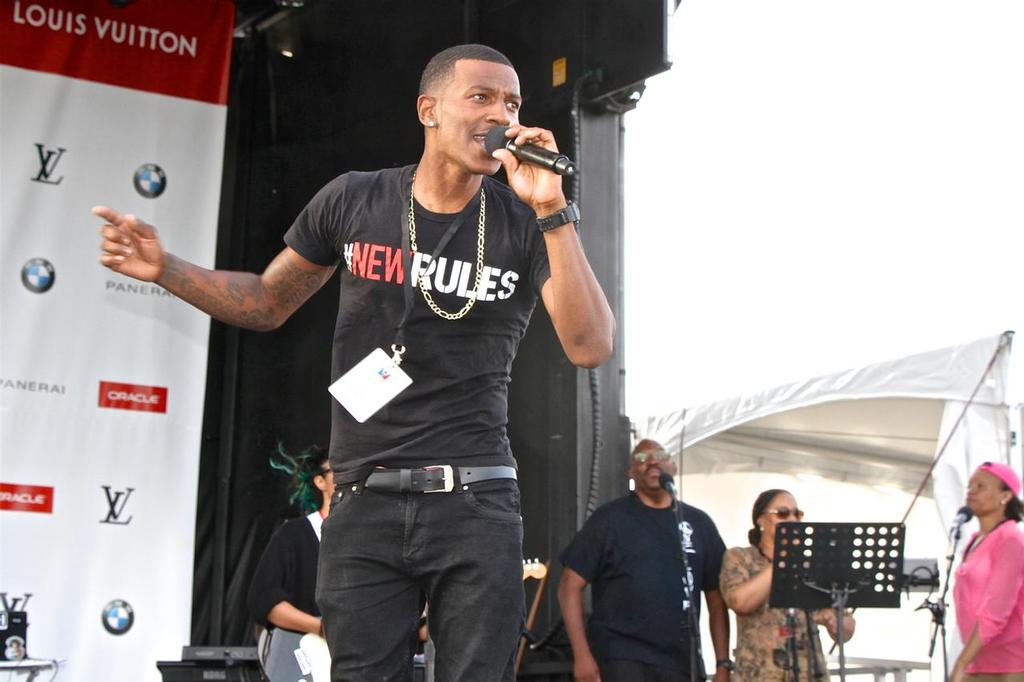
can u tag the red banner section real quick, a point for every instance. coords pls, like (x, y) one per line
(179, 48)
(133, 397)
(30, 498)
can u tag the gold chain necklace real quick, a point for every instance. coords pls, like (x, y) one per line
(419, 281)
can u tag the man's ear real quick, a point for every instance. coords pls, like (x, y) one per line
(425, 110)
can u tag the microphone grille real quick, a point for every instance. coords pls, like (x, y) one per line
(495, 139)
(966, 512)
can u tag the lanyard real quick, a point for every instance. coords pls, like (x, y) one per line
(412, 279)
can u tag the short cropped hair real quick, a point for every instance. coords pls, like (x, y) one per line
(440, 67)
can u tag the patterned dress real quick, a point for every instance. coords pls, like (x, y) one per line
(760, 654)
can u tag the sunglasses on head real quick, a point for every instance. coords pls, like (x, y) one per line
(643, 456)
(784, 513)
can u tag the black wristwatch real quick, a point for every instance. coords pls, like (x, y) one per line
(569, 214)
(725, 663)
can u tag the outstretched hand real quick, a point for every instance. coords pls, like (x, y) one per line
(540, 188)
(130, 246)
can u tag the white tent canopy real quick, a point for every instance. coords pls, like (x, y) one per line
(878, 425)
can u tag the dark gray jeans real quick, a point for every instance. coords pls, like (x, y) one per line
(382, 554)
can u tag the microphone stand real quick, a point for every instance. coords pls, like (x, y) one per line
(938, 608)
(813, 644)
(697, 671)
(792, 650)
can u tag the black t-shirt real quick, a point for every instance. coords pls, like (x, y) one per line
(630, 555)
(286, 571)
(456, 409)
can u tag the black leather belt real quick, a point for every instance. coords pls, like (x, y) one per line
(442, 478)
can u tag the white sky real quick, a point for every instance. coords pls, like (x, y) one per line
(818, 185)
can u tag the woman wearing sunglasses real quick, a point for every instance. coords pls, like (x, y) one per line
(762, 643)
(989, 590)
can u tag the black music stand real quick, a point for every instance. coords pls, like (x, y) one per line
(837, 565)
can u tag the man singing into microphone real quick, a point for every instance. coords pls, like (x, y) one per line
(441, 269)
(630, 552)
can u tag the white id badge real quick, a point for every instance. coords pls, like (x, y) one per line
(370, 385)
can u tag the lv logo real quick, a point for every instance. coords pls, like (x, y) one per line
(116, 501)
(48, 160)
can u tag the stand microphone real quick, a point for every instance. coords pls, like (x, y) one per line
(697, 671)
(556, 162)
(668, 484)
(963, 515)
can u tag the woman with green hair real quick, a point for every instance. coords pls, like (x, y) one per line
(283, 590)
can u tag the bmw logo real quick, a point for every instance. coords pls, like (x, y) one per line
(38, 275)
(118, 617)
(150, 180)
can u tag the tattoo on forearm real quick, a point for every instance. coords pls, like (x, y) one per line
(293, 285)
(240, 298)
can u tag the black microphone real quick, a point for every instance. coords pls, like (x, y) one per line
(555, 162)
(668, 483)
(963, 515)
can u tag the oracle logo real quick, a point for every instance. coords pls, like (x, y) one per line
(133, 397)
(30, 498)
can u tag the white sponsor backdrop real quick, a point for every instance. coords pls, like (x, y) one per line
(94, 326)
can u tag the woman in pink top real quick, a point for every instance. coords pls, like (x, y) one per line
(989, 590)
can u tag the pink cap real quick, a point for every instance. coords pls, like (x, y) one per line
(1005, 474)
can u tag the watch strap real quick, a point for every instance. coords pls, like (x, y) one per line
(569, 214)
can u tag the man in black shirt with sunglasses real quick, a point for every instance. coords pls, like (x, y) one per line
(629, 552)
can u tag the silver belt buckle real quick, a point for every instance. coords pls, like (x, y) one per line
(449, 477)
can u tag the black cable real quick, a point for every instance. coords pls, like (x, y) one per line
(548, 636)
(597, 427)
(593, 376)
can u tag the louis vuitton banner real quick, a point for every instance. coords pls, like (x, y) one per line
(101, 377)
